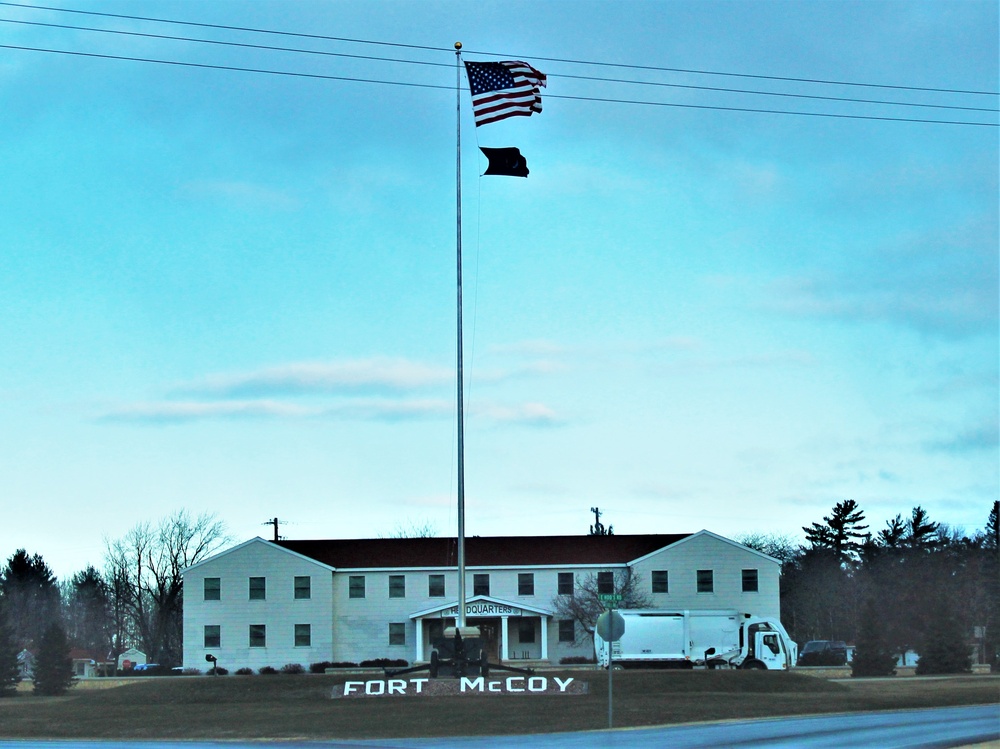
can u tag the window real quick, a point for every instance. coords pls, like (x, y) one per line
(605, 583)
(213, 636)
(749, 581)
(526, 631)
(567, 630)
(397, 633)
(661, 581)
(480, 585)
(435, 586)
(258, 636)
(213, 589)
(303, 587)
(258, 588)
(565, 583)
(526, 583)
(706, 581)
(397, 586)
(303, 635)
(356, 586)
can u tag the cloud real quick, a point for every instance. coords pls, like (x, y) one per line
(183, 411)
(243, 194)
(525, 414)
(303, 378)
(940, 283)
(985, 436)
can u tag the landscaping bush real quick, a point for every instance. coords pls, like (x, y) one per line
(293, 668)
(572, 660)
(191, 672)
(267, 670)
(218, 671)
(322, 666)
(385, 663)
(244, 671)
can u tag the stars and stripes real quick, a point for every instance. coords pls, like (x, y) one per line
(504, 89)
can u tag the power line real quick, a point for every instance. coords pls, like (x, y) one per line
(494, 54)
(272, 48)
(452, 88)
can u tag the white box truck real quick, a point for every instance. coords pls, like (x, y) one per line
(710, 638)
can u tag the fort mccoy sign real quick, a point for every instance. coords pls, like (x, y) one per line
(466, 685)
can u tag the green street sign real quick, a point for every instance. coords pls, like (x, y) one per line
(609, 597)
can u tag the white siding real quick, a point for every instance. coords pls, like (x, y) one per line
(279, 612)
(705, 551)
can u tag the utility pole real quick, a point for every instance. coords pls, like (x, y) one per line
(274, 522)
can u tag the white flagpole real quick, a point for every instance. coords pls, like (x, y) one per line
(461, 416)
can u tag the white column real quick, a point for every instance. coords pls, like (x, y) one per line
(504, 647)
(545, 637)
(420, 639)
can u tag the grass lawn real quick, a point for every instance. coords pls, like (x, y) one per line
(286, 707)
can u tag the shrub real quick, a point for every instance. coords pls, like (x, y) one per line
(218, 671)
(385, 663)
(191, 672)
(872, 654)
(267, 670)
(571, 660)
(322, 666)
(293, 668)
(244, 671)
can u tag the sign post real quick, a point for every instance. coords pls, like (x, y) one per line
(611, 627)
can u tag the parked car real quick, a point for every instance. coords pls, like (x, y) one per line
(823, 653)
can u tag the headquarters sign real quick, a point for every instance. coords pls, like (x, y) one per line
(483, 608)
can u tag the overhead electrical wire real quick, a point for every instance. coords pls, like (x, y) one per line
(495, 54)
(300, 50)
(295, 50)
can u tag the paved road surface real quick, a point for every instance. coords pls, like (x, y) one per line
(907, 729)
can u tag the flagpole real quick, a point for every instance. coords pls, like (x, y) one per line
(460, 621)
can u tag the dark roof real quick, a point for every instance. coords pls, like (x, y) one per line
(498, 551)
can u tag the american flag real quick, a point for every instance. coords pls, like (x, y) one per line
(504, 89)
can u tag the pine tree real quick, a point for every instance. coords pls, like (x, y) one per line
(872, 654)
(944, 647)
(53, 672)
(10, 672)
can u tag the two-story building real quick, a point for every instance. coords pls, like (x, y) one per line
(265, 603)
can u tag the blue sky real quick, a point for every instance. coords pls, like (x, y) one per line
(234, 292)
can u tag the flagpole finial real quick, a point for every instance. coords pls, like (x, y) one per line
(458, 45)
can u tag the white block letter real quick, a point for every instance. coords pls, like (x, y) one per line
(374, 687)
(349, 686)
(538, 684)
(511, 680)
(563, 684)
(397, 686)
(419, 683)
(468, 683)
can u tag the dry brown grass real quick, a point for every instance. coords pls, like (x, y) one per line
(256, 707)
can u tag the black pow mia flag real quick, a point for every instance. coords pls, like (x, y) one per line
(505, 162)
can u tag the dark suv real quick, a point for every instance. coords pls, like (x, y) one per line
(823, 653)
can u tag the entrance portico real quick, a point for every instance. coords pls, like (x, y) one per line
(491, 614)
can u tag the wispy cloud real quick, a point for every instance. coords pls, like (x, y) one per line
(304, 378)
(984, 436)
(244, 194)
(941, 283)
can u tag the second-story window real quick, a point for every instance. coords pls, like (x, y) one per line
(661, 581)
(397, 586)
(480, 585)
(526, 583)
(303, 587)
(213, 589)
(356, 586)
(706, 581)
(435, 586)
(565, 584)
(258, 588)
(605, 583)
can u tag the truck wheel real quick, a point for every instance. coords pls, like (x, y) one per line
(484, 664)
(754, 666)
(435, 664)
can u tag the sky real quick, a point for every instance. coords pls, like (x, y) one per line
(234, 292)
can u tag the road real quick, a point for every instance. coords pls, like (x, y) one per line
(905, 729)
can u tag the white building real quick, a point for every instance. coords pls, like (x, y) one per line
(266, 603)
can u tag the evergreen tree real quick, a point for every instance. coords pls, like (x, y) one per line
(944, 647)
(841, 531)
(10, 673)
(88, 616)
(872, 654)
(53, 672)
(31, 596)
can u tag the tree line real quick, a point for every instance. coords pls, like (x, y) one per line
(134, 601)
(913, 585)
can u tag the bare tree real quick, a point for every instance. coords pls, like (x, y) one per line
(584, 605)
(412, 529)
(145, 568)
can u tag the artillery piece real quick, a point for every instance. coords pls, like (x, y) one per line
(456, 656)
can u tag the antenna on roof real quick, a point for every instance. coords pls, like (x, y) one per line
(274, 522)
(598, 529)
